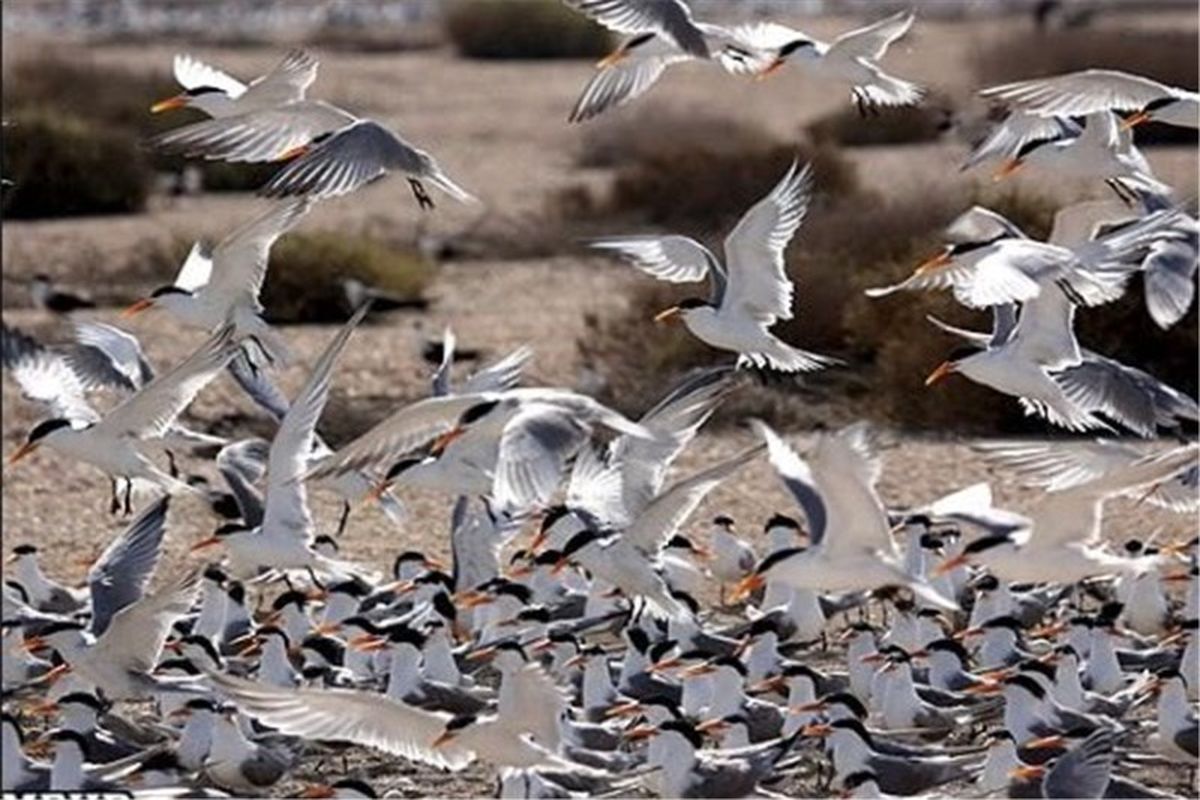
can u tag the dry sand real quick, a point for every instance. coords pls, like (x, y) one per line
(499, 128)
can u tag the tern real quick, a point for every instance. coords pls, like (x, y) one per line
(218, 94)
(662, 33)
(852, 546)
(222, 287)
(113, 442)
(850, 59)
(50, 298)
(1093, 90)
(751, 292)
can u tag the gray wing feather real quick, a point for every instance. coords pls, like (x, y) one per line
(120, 575)
(670, 18)
(1085, 770)
(258, 385)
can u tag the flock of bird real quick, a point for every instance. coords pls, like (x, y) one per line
(865, 649)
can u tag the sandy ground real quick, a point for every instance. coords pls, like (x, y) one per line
(498, 128)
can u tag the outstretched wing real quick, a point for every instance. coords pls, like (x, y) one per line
(192, 73)
(872, 41)
(120, 575)
(1081, 93)
(671, 19)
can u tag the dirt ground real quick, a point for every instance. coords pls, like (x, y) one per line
(499, 128)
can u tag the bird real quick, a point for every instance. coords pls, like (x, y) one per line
(1093, 90)
(329, 150)
(750, 292)
(663, 33)
(48, 297)
(112, 442)
(850, 59)
(851, 544)
(216, 93)
(222, 286)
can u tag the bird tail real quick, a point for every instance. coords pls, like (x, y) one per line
(345, 570)
(888, 90)
(443, 182)
(786, 358)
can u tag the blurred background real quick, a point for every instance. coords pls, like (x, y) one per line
(486, 86)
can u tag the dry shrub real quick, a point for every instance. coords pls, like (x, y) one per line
(908, 125)
(358, 38)
(304, 282)
(62, 165)
(517, 29)
(1169, 56)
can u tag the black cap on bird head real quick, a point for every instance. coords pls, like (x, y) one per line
(776, 557)
(45, 428)
(401, 466)
(477, 412)
(795, 45)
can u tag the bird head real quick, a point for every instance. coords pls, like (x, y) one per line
(164, 297)
(682, 310)
(805, 48)
(1149, 112)
(208, 99)
(43, 432)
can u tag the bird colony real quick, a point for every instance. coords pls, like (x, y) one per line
(863, 650)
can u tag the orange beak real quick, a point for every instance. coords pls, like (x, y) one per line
(560, 565)
(1134, 120)
(816, 729)
(327, 628)
(613, 58)
(627, 709)
(713, 727)
(293, 152)
(696, 670)
(33, 644)
(991, 687)
(203, 544)
(703, 553)
(668, 314)
(640, 732)
(966, 633)
(483, 654)
(808, 708)
(1054, 742)
(443, 739)
(575, 661)
(55, 673)
(769, 70)
(21, 452)
(772, 684)
(253, 645)
(377, 492)
(943, 370)
(368, 643)
(321, 790)
(954, 562)
(171, 103)
(538, 541)
(1027, 772)
(1046, 631)
(664, 665)
(472, 598)
(1007, 168)
(137, 308)
(443, 441)
(933, 263)
(747, 586)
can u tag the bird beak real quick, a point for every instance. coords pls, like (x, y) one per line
(472, 598)
(443, 441)
(319, 790)
(627, 709)
(538, 541)
(575, 661)
(713, 727)
(808, 708)
(39, 749)
(1047, 631)
(668, 314)
(954, 562)
(702, 552)
(1055, 742)
(183, 712)
(33, 644)
(431, 563)
(816, 729)
(203, 544)
(22, 451)
(560, 565)
(696, 670)
(50, 677)
(443, 739)
(327, 628)
(398, 587)
(967, 633)
(368, 643)
(769, 69)
(482, 654)
(171, 103)
(1027, 772)
(773, 684)
(543, 645)
(988, 687)
(873, 658)
(1134, 120)
(640, 732)
(520, 571)
(613, 58)
(137, 308)
(377, 491)
(293, 152)
(253, 645)
(996, 674)
(943, 370)
(933, 263)
(1007, 168)
(747, 586)
(45, 708)
(664, 665)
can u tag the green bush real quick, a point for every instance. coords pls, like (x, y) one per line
(63, 165)
(908, 125)
(304, 282)
(516, 29)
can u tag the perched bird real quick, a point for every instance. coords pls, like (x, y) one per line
(751, 292)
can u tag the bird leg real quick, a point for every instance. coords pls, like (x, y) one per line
(172, 467)
(128, 496)
(722, 594)
(114, 504)
(344, 518)
(418, 190)
(858, 101)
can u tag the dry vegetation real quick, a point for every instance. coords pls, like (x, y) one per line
(522, 29)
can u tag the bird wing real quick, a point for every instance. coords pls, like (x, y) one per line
(120, 575)
(440, 382)
(532, 702)
(979, 224)
(403, 431)
(675, 259)
(989, 280)
(242, 464)
(1007, 136)
(258, 386)
(758, 281)
(619, 83)
(286, 506)
(266, 134)
(347, 715)
(535, 445)
(1059, 465)
(286, 82)
(354, 155)
(1045, 333)
(502, 375)
(1081, 93)
(845, 471)
(192, 73)
(44, 376)
(109, 356)
(872, 41)
(135, 635)
(1004, 322)
(1080, 222)
(1169, 281)
(595, 488)
(798, 478)
(241, 258)
(1100, 130)
(196, 269)
(675, 421)
(1084, 770)
(671, 19)
(1134, 398)
(151, 411)
(661, 519)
